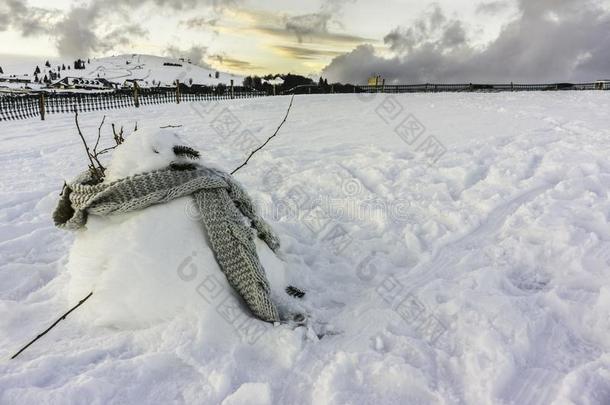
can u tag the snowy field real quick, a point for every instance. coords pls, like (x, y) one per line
(462, 258)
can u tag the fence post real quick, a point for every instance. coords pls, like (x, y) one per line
(232, 94)
(136, 95)
(41, 106)
(512, 86)
(177, 91)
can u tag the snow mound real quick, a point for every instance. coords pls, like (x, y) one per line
(137, 263)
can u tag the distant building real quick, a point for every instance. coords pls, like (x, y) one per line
(82, 83)
(376, 80)
(602, 85)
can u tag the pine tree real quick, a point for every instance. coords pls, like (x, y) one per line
(63, 67)
(37, 71)
(46, 79)
(47, 64)
(1, 71)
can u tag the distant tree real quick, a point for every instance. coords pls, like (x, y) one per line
(68, 67)
(46, 79)
(36, 79)
(247, 81)
(221, 88)
(191, 81)
(47, 64)
(257, 83)
(291, 81)
(88, 61)
(63, 67)
(1, 71)
(37, 70)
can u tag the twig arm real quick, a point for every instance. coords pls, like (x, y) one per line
(268, 139)
(52, 326)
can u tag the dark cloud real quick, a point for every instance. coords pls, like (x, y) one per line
(550, 40)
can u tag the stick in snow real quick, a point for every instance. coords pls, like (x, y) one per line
(268, 139)
(87, 148)
(52, 326)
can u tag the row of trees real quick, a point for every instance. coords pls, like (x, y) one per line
(288, 82)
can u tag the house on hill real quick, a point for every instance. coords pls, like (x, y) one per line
(82, 83)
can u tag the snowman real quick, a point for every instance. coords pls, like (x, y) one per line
(156, 263)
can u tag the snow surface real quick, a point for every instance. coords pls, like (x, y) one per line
(478, 278)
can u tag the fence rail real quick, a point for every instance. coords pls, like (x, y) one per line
(14, 106)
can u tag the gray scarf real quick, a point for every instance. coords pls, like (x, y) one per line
(222, 205)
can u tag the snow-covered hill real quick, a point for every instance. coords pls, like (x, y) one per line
(478, 278)
(118, 69)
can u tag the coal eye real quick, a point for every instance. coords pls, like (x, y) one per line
(185, 151)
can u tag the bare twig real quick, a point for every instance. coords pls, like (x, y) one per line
(268, 139)
(99, 135)
(95, 171)
(118, 137)
(52, 326)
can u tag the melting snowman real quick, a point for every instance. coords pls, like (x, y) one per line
(156, 263)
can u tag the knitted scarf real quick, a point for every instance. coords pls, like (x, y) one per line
(222, 204)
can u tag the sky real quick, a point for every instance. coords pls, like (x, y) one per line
(404, 41)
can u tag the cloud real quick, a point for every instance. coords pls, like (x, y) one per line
(314, 37)
(550, 40)
(316, 24)
(90, 28)
(196, 54)
(199, 22)
(493, 7)
(79, 34)
(302, 52)
(232, 63)
(308, 24)
(29, 21)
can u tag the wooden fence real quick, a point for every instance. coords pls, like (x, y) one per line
(14, 106)
(27, 105)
